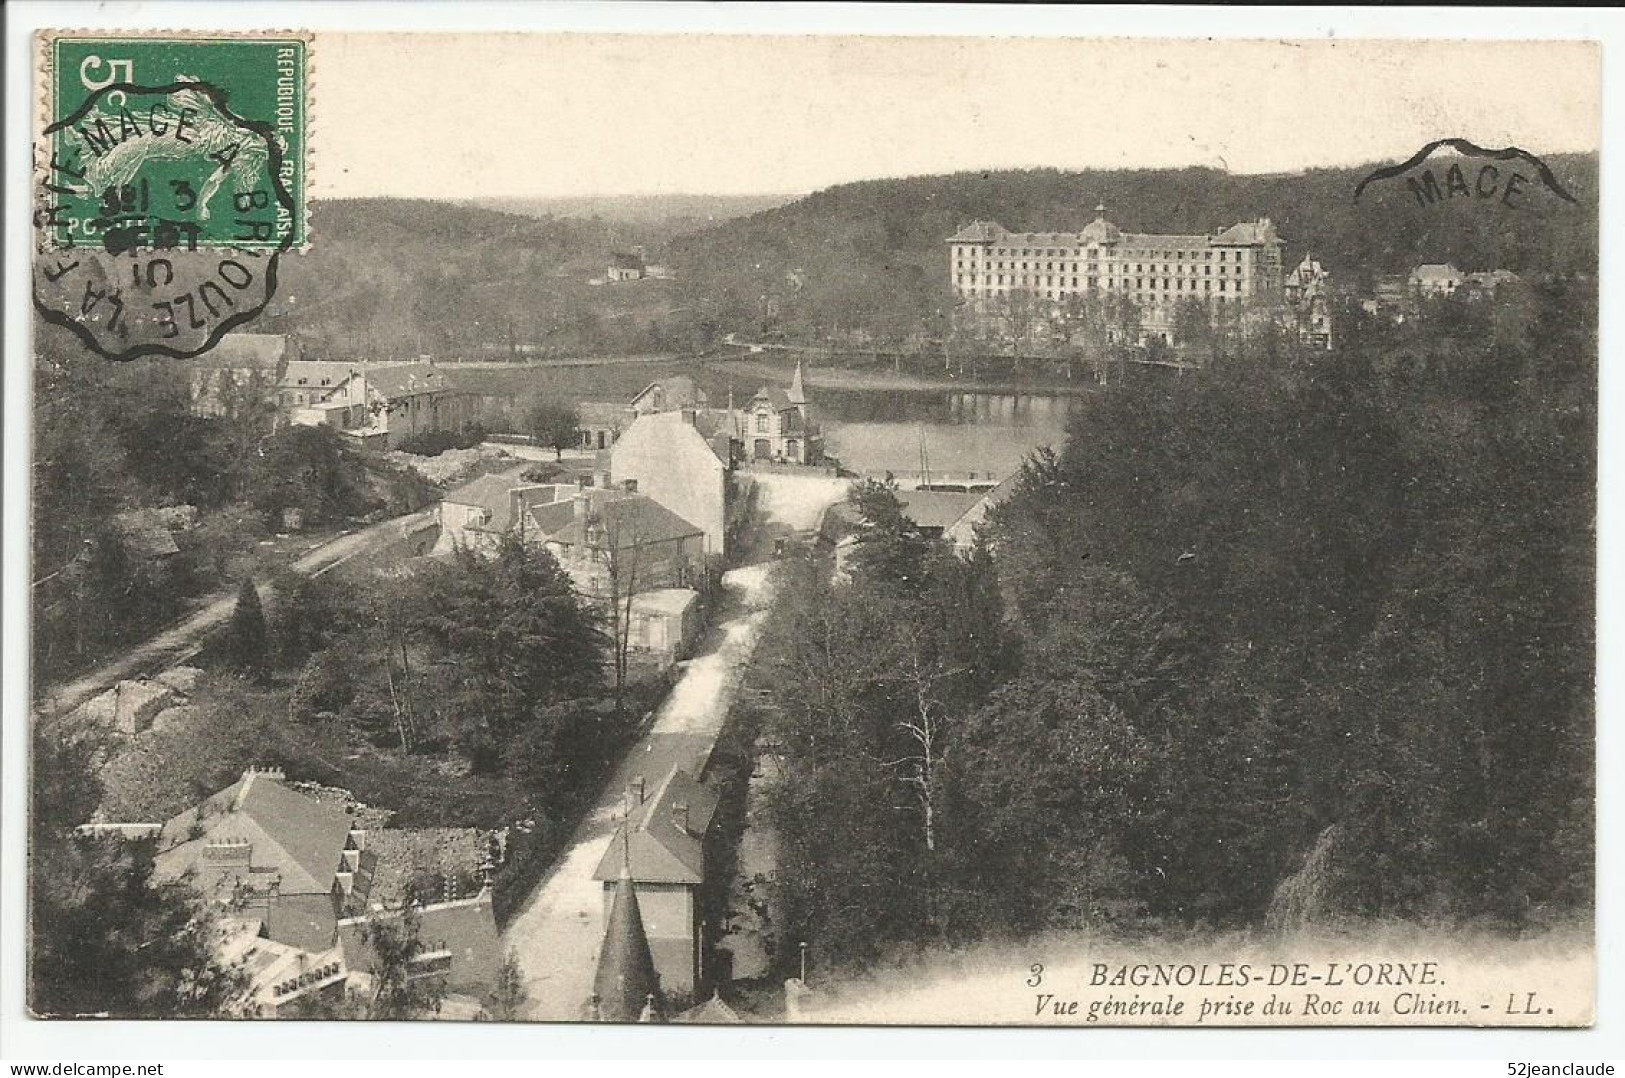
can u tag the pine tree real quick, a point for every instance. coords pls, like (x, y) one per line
(247, 647)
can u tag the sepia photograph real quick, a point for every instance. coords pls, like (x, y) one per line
(808, 529)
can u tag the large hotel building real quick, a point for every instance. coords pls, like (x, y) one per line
(1157, 272)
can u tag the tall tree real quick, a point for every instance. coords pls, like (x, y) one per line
(246, 646)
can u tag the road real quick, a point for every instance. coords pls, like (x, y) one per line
(556, 934)
(184, 639)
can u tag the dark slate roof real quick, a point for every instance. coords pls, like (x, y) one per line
(305, 921)
(777, 399)
(626, 975)
(633, 519)
(678, 391)
(408, 379)
(547, 521)
(663, 852)
(1248, 233)
(294, 839)
(466, 928)
(602, 414)
(625, 260)
(935, 508)
(498, 495)
(313, 372)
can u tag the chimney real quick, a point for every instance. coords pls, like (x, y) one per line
(637, 786)
(691, 416)
(679, 816)
(582, 506)
(629, 485)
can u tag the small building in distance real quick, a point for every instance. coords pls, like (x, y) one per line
(376, 405)
(1485, 285)
(616, 543)
(599, 423)
(477, 514)
(662, 843)
(1435, 279)
(665, 624)
(627, 266)
(1308, 292)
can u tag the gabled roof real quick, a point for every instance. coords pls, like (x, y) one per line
(602, 414)
(1248, 233)
(978, 232)
(935, 508)
(1434, 271)
(465, 928)
(549, 519)
(407, 379)
(630, 520)
(678, 391)
(776, 398)
(713, 1012)
(292, 838)
(668, 602)
(316, 374)
(501, 496)
(626, 260)
(661, 851)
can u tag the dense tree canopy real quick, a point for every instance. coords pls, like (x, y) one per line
(1293, 595)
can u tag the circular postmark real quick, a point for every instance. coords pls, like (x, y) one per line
(159, 219)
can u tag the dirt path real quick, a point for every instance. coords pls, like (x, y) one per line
(183, 640)
(556, 934)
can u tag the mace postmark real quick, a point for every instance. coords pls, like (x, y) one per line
(162, 206)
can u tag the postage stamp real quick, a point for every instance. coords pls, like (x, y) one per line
(171, 173)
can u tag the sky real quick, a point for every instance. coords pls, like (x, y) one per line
(461, 116)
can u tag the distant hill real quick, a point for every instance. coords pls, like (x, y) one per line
(873, 253)
(389, 278)
(671, 214)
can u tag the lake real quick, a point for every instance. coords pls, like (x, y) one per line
(958, 432)
(871, 431)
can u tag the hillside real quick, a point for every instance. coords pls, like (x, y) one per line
(395, 278)
(667, 214)
(873, 253)
(391, 278)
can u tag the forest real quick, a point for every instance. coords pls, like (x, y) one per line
(396, 278)
(1304, 637)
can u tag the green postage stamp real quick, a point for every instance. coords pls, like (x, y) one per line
(171, 173)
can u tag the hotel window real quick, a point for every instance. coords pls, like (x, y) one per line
(1207, 286)
(1221, 286)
